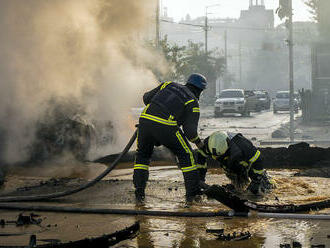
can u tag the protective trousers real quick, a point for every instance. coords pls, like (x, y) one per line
(151, 133)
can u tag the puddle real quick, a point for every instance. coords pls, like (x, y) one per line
(165, 194)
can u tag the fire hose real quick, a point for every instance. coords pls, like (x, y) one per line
(240, 207)
(135, 212)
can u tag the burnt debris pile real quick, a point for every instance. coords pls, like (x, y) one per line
(63, 128)
(66, 129)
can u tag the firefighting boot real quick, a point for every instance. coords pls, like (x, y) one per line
(140, 178)
(191, 181)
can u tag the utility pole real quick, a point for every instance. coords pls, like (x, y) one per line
(157, 24)
(284, 11)
(206, 31)
(226, 53)
(240, 61)
(206, 26)
(225, 77)
(290, 43)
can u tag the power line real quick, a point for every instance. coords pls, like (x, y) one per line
(182, 23)
(217, 26)
(297, 31)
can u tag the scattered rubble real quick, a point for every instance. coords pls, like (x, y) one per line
(294, 244)
(282, 132)
(52, 182)
(22, 220)
(229, 237)
(28, 219)
(104, 241)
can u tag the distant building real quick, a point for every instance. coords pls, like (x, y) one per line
(257, 54)
(257, 16)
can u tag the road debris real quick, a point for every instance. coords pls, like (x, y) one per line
(229, 237)
(104, 241)
(23, 220)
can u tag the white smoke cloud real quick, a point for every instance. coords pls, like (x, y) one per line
(71, 49)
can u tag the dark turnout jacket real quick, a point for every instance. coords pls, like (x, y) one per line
(241, 155)
(241, 152)
(173, 104)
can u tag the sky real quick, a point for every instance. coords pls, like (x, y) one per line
(228, 8)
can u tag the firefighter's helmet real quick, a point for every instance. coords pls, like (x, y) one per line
(197, 80)
(217, 143)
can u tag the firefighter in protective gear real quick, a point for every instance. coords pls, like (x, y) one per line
(168, 107)
(240, 159)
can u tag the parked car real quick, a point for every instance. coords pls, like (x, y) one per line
(231, 101)
(263, 99)
(281, 102)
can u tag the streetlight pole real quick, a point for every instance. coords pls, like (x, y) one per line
(226, 52)
(206, 27)
(240, 61)
(206, 31)
(290, 43)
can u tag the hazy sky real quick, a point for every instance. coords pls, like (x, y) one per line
(227, 8)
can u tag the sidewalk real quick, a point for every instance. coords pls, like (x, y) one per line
(317, 134)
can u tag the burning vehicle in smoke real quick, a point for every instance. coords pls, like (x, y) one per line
(70, 134)
(65, 129)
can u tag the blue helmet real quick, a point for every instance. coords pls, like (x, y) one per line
(197, 80)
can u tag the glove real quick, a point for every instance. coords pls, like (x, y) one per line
(201, 151)
(200, 145)
(238, 181)
(261, 184)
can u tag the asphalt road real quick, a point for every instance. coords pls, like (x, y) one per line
(258, 126)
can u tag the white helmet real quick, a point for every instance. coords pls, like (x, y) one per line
(217, 143)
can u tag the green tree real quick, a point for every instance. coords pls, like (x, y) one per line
(321, 14)
(192, 58)
(211, 64)
(184, 60)
(174, 55)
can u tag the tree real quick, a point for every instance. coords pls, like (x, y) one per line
(211, 64)
(191, 59)
(283, 10)
(321, 14)
(184, 60)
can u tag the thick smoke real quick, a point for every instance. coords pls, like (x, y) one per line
(70, 49)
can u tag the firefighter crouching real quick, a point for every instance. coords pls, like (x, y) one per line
(169, 106)
(240, 159)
